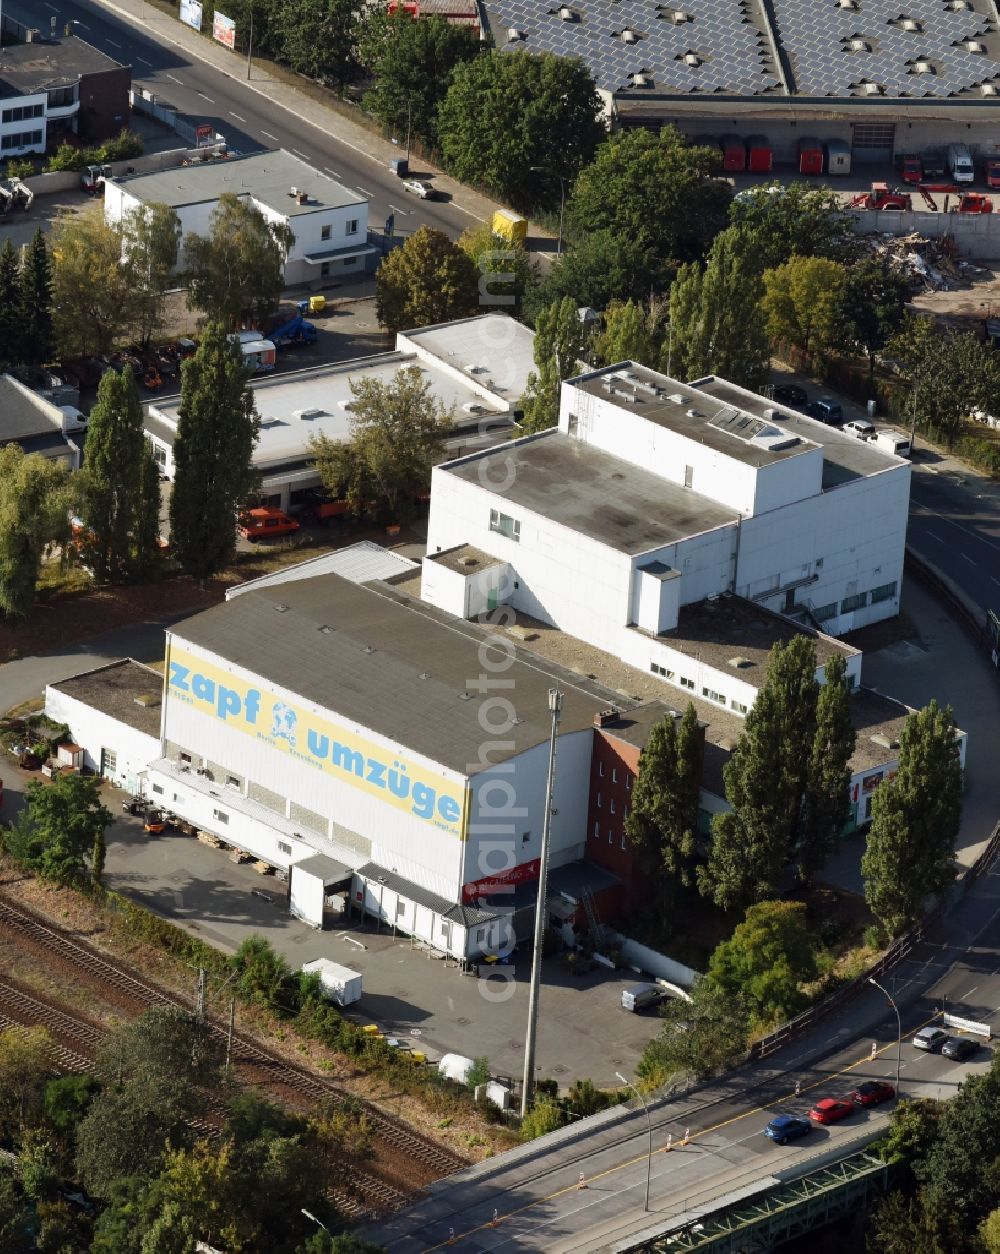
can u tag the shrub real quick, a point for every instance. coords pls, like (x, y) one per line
(545, 1116)
(124, 145)
(66, 157)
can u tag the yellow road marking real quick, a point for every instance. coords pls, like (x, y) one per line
(641, 1158)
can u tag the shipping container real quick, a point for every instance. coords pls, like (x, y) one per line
(340, 984)
(838, 156)
(760, 157)
(810, 156)
(734, 154)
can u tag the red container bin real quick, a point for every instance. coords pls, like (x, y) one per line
(760, 158)
(810, 156)
(734, 154)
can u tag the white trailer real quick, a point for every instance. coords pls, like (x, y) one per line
(340, 984)
(893, 442)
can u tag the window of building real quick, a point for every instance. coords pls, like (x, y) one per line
(857, 602)
(352, 226)
(657, 669)
(825, 611)
(713, 696)
(158, 789)
(400, 907)
(61, 97)
(738, 706)
(624, 841)
(600, 801)
(21, 139)
(446, 932)
(628, 783)
(574, 424)
(525, 837)
(614, 775)
(234, 781)
(178, 797)
(324, 269)
(285, 848)
(324, 231)
(159, 455)
(600, 769)
(612, 805)
(687, 683)
(22, 113)
(109, 762)
(220, 815)
(597, 831)
(611, 835)
(504, 525)
(186, 757)
(885, 592)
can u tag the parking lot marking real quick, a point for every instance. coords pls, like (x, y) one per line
(396, 209)
(365, 192)
(175, 80)
(236, 116)
(145, 62)
(111, 42)
(333, 172)
(968, 558)
(932, 536)
(268, 135)
(301, 154)
(970, 992)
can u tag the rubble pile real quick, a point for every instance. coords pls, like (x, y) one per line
(932, 265)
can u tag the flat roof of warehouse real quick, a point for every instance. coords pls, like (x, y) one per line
(610, 500)
(266, 176)
(127, 691)
(494, 350)
(30, 69)
(392, 664)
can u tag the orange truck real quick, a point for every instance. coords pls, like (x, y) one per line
(256, 524)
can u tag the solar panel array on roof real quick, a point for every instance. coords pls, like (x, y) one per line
(680, 46)
(887, 47)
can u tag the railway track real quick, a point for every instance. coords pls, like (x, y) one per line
(142, 993)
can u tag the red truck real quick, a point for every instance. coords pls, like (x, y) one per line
(991, 169)
(911, 168)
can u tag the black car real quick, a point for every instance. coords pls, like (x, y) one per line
(790, 394)
(960, 1047)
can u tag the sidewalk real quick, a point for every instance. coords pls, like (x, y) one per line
(283, 94)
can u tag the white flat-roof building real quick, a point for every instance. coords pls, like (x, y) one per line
(296, 406)
(328, 220)
(651, 496)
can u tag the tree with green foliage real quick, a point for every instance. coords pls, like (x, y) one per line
(35, 498)
(504, 114)
(10, 312)
(213, 455)
(872, 306)
(35, 304)
(797, 220)
(627, 334)
(398, 431)
(766, 783)
(802, 303)
(827, 800)
(237, 270)
(700, 1037)
(91, 288)
(505, 270)
(598, 269)
(17, 1223)
(66, 821)
(411, 62)
(715, 315)
(478, 1073)
(560, 339)
(318, 38)
(113, 459)
(662, 823)
(545, 1115)
(655, 190)
(260, 971)
(67, 1099)
(26, 1064)
(150, 239)
(910, 853)
(429, 279)
(767, 959)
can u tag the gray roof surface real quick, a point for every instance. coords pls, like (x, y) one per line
(464, 558)
(116, 689)
(610, 500)
(465, 916)
(845, 457)
(20, 416)
(723, 426)
(390, 663)
(633, 726)
(29, 69)
(729, 627)
(267, 176)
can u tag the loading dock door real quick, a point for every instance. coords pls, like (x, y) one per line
(873, 142)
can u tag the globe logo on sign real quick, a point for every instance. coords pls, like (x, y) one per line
(283, 722)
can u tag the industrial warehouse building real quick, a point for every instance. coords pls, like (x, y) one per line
(652, 497)
(328, 220)
(879, 77)
(476, 367)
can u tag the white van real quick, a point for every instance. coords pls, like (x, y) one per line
(960, 164)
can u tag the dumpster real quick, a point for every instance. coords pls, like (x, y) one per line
(838, 157)
(734, 154)
(810, 156)
(760, 158)
(400, 166)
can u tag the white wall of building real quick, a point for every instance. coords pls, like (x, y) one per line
(408, 916)
(13, 130)
(96, 731)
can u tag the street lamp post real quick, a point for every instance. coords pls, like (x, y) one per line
(250, 44)
(541, 169)
(541, 914)
(899, 1029)
(649, 1132)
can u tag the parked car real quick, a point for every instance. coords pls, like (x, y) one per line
(790, 394)
(254, 524)
(785, 1128)
(930, 1039)
(960, 1047)
(826, 410)
(831, 1109)
(872, 1093)
(859, 427)
(419, 188)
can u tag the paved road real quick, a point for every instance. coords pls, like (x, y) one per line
(154, 45)
(535, 1191)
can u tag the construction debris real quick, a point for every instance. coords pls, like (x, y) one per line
(932, 265)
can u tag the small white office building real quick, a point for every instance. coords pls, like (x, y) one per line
(328, 220)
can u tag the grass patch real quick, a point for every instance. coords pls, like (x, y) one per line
(58, 578)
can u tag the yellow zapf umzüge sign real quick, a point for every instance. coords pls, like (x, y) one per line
(321, 743)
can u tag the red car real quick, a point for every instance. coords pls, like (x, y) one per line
(831, 1109)
(872, 1093)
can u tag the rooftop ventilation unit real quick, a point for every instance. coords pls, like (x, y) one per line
(347, 405)
(605, 717)
(629, 36)
(147, 700)
(641, 79)
(679, 17)
(973, 45)
(475, 368)
(514, 35)
(281, 607)
(566, 14)
(848, 4)
(987, 89)
(871, 89)
(692, 59)
(739, 662)
(884, 742)
(676, 398)
(859, 45)
(472, 408)
(293, 191)
(912, 24)
(923, 67)
(307, 415)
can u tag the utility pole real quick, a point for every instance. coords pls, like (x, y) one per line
(541, 913)
(409, 117)
(250, 43)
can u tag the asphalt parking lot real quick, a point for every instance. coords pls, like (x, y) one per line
(583, 1032)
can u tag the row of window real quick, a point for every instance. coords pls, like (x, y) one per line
(611, 803)
(325, 232)
(504, 525)
(884, 592)
(611, 835)
(22, 113)
(709, 693)
(614, 775)
(21, 139)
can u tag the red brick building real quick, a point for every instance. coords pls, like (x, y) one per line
(619, 738)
